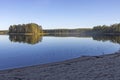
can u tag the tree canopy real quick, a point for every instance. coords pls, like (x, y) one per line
(25, 28)
(115, 28)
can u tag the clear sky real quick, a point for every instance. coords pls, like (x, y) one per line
(59, 13)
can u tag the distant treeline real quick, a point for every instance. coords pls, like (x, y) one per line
(115, 28)
(2, 32)
(26, 28)
(68, 31)
(102, 30)
(33, 28)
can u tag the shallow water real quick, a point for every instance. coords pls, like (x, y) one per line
(17, 51)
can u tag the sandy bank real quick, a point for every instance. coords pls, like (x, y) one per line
(105, 67)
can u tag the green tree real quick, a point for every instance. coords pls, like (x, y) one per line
(26, 28)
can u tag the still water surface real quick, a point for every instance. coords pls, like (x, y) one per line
(17, 51)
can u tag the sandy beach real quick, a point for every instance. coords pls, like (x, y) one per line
(104, 67)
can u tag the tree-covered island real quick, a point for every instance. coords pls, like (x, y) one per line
(31, 28)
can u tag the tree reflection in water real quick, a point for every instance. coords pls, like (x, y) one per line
(30, 39)
(34, 39)
(114, 39)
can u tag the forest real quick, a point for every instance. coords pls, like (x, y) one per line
(26, 28)
(115, 28)
(2, 32)
(68, 31)
(33, 28)
(96, 30)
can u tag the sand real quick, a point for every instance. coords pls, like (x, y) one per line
(104, 67)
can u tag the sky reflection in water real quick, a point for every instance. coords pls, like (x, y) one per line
(33, 50)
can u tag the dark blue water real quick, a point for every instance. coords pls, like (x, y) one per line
(51, 49)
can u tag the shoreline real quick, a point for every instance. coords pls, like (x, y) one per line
(103, 67)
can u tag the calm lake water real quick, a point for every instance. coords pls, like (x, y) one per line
(20, 51)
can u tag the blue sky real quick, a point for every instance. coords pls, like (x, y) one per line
(59, 13)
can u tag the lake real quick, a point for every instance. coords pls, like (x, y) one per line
(20, 51)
